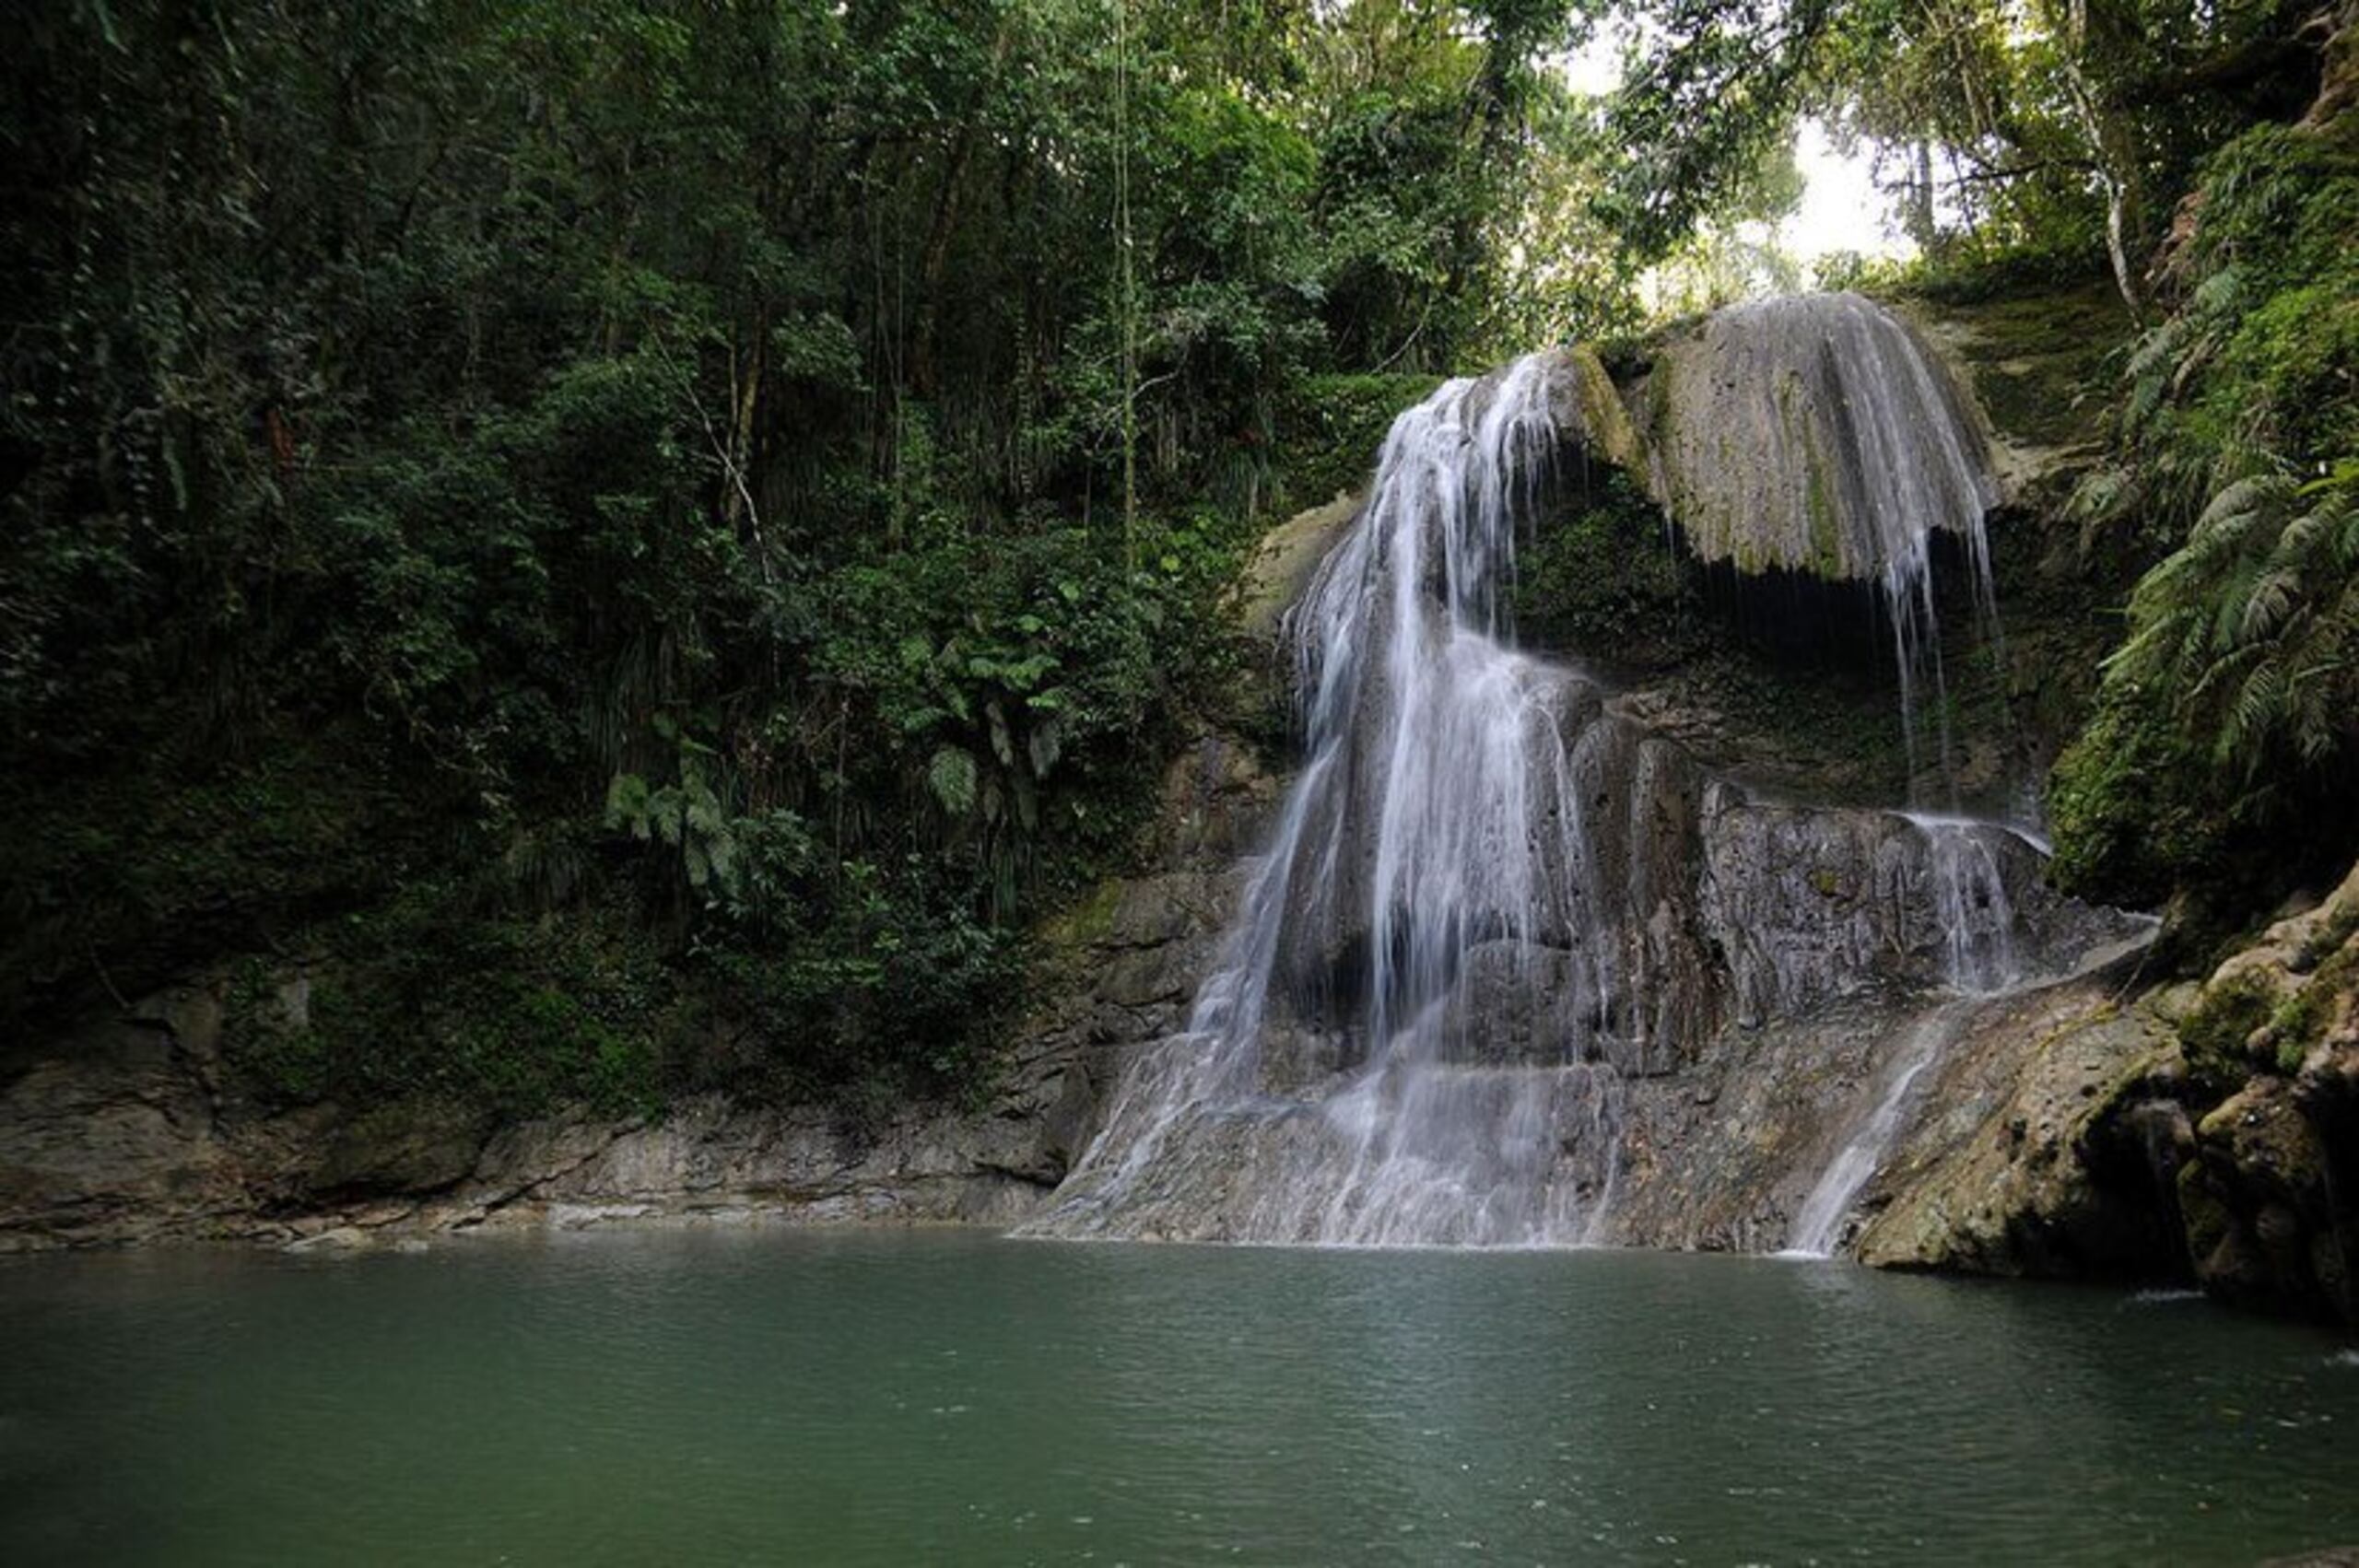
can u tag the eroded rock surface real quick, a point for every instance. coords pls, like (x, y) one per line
(134, 1130)
(125, 1140)
(2209, 1133)
(2268, 1195)
(2018, 1168)
(1493, 980)
(1814, 433)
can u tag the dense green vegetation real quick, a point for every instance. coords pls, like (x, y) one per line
(2205, 157)
(647, 539)
(2223, 758)
(647, 536)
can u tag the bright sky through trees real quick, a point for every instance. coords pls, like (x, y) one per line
(1841, 208)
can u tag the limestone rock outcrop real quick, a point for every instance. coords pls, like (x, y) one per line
(1813, 434)
(2208, 1133)
(137, 1129)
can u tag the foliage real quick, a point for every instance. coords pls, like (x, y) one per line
(425, 995)
(2068, 129)
(756, 483)
(1337, 427)
(2254, 623)
(2125, 827)
(2231, 701)
(754, 489)
(1709, 97)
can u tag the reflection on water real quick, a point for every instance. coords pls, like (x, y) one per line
(867, 1397)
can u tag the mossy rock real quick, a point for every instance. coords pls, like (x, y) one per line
(1605, 427)
(2039, 360)
(1773, 426)
(1282, 565)
(2218, 1032)
(2262, 1135)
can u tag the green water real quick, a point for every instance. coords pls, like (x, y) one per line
(675, 1398)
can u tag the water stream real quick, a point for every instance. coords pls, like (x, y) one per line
(1436, 814)
(1819, 1223)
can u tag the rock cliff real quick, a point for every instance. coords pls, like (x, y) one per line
(2088, 1124)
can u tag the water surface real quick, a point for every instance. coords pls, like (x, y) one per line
(887, 1398)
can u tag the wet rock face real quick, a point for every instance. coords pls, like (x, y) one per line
(414, 1145)
(115, 1140)
(1694, 906)
(2026, 1166)
(2204, 1133)
(1712, 1141)
(1516, 969)
(2259, 1216)
(126, 1138)
(1814, 433)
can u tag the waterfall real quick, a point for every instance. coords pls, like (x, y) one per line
(1819, 1223)
(1976, 919)
(1495, 916)
(1433, 845)
(1978, 960)
(1814, 433)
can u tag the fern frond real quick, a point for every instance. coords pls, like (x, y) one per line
(951, 777)
(2270, 604)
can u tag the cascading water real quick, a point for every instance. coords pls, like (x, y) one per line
(1434, 830)
(1494, 912)
(1979, 961)
(1814, 433)
(1977, 918)
(1819, 1223)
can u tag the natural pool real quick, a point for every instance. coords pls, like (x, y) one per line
(674, 1397)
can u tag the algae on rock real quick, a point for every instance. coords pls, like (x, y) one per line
(1815, 434)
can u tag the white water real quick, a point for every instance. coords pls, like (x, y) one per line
(1435, 815)
(1815, 433)
(1977, 923)
(1818, 1226)
(1983, 966)
(1976, 919)
(1485, 900)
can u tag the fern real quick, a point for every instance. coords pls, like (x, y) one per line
(2250, 632)
(951, 778)
(2226, 737)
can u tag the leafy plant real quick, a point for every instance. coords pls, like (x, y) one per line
(2224, 742)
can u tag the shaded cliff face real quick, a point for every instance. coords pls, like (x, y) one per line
(138, 1129)
(1500, 913)
(134, 1135)
(1792, 680)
